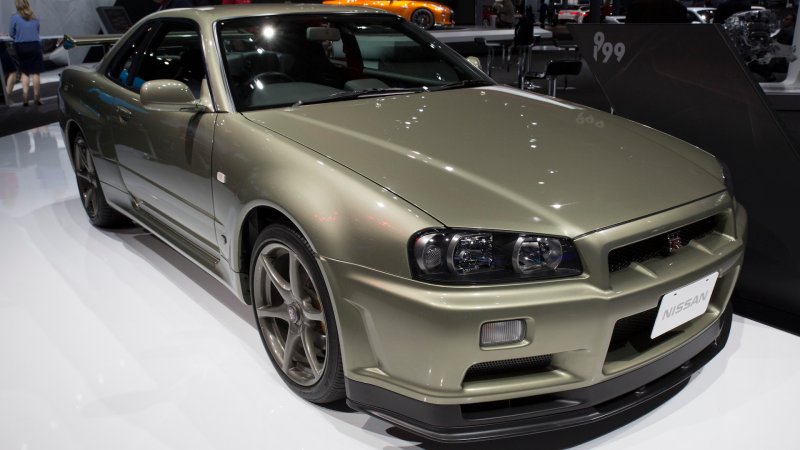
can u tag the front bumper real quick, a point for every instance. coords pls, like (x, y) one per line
(409, 348)
(524, 416)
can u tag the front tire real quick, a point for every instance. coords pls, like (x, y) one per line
(294, 315)
(423, 19)
(89, 187)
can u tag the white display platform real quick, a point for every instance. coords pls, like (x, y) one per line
(111, 340)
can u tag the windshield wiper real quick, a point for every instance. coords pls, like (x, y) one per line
(363, 93)
(462, 84)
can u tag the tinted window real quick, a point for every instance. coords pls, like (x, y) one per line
(174, 53)
(121, 66)
(280, 60)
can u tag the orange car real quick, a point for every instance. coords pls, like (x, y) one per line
(424, 14)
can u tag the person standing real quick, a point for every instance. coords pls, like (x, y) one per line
(543, 13)
(24, 30)
(10, 67)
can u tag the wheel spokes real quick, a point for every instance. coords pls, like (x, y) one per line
(292, 339)
(276, 312)
(295, 281)
(89, 162)
(308, 337)
(80, 157)
(281, 285)
(312, 314)
(88, 197)
(83, 176)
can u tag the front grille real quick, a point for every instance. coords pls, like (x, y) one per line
(508, 367)
(658, 246)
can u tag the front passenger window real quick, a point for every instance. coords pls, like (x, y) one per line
(121, 66)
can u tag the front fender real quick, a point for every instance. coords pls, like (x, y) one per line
(343, 215)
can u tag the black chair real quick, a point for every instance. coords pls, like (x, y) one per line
(554, 69)
(525, 58)
(490, 48)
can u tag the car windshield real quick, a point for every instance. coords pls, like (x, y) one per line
(285, 60)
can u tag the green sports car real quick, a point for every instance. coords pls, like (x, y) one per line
(462, 259)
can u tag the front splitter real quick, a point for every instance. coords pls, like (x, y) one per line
(651, 383)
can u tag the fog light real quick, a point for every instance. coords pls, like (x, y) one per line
(503, 332)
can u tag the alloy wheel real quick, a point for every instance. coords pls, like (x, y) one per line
(88, 183)
(423, 18)
(290, 314)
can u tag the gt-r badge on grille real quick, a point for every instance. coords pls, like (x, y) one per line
(674, 240)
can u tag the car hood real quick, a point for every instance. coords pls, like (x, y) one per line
(500, 158)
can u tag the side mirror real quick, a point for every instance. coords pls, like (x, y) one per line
(474, 61)
(169, 95)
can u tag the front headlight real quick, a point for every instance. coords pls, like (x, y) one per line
(482, 257)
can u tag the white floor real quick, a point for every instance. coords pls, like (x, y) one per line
(110, 340)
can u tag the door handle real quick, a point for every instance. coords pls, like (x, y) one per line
(123, 114)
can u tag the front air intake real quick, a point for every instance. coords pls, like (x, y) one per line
(508, 368)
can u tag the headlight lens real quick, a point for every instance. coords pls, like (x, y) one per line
(478, 257)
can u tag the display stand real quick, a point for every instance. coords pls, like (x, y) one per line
(687, 80)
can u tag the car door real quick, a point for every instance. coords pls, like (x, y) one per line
(165, 157)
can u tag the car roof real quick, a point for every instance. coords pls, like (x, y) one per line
(226, 12)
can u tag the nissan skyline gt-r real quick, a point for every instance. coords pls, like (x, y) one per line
(331, 167)
(423, 13)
